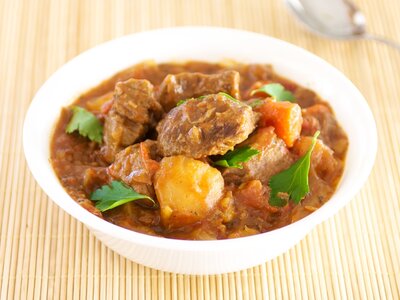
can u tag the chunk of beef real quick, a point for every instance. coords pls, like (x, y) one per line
(191, 85)
(273, 158)
(320, 117)
(133, 112)
(136, 165)
(134, 100)
(208, 126)
(118, 133)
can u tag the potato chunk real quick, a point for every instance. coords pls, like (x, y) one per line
(186, 190)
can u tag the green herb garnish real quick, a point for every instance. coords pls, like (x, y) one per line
(180, 102)
(292, 183)
(277, 91)
(228, 96)
(116, 194)
(235, 158)
(86, 124)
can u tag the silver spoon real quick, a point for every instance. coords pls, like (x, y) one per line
(339, 19)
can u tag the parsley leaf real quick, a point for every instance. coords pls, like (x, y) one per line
(116, 194)
(292, 183)
(86, 124)
(235, 158)
(277, 91)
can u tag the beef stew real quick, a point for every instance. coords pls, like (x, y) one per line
(194, 150)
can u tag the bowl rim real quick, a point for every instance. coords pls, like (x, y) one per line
(97, 224)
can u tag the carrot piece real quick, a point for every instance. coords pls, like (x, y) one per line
(285, 117)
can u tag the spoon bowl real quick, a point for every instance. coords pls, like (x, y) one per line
(337, 19)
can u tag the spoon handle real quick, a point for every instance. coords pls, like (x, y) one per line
(383, 40)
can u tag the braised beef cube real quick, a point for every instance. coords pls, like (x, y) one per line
(134, 100)
(136, 165)
(208, 126)
(273, 158)
(191, 85)
(119, 132)
(133, 113)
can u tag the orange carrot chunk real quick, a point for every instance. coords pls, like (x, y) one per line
(285, 117)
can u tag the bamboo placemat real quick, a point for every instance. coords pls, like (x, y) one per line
(46, 254)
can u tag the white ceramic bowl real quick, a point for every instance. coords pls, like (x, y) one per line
(208, 44)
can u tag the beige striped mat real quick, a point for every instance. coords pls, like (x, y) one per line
(46, 254)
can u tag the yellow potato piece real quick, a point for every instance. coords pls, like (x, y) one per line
(186, 190)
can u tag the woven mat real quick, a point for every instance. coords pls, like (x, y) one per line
(46, 254)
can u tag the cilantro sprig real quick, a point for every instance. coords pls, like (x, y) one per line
(117, 193)
(86, 124)
(276, 91)
(235, 158)
(292, 183)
